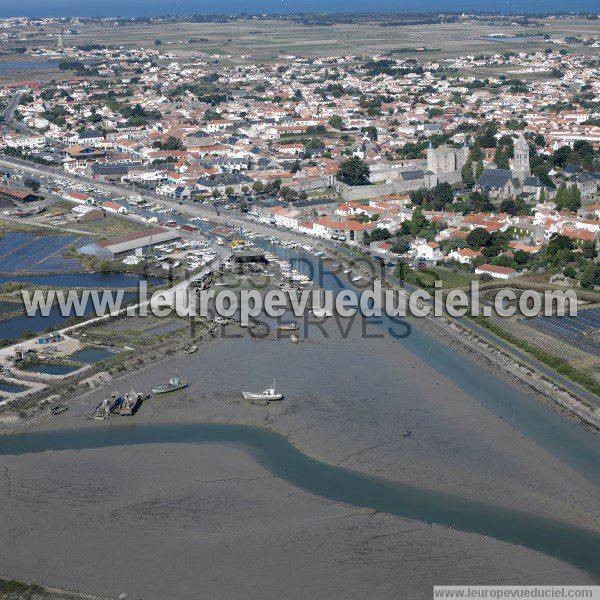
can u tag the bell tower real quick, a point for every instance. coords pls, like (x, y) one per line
(521, 160)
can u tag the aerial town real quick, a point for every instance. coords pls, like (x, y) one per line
(428, 152)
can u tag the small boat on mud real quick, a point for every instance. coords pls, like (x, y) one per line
(263, 398)
(192, 349)
(109, 405)
(131, 403)
(175, 383)
(59, 409)
(294, 338)
(288, 326)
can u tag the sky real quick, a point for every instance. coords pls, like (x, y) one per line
(128, 8)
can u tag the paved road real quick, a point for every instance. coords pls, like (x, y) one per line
(189, 208)
(9, 111)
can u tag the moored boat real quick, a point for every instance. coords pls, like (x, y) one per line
(131, 403)
(264, 397)
(58, 409)
(174, 384)
(107, 406)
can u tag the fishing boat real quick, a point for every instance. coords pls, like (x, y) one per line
(192, 349)
(288, 326)
(264, 397)
(131, 403)
(175, 383)
(58, 409)
(107, 406)
(221, 320)
(294, 338)
(357, 278)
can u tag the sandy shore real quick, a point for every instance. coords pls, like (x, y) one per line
(190, 521)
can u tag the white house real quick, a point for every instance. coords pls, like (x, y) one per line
(428, 251)
(464, 256)
(289, 218)
(496, 271)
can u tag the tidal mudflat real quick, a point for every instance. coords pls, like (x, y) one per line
(217, 519)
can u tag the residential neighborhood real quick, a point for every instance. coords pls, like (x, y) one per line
(354, 149)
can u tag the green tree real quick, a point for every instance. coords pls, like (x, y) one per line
(590, 275)
(588, 250)
(418, 221)
(479, 170)
(400, 270)
(568, 198)
(557, 243)
(501, 158)
(477, 238)
(353, 171)
(584, 153)
(468, 177)
(443, 195)
(336, 122)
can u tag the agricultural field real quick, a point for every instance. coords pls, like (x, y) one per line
(265, 40)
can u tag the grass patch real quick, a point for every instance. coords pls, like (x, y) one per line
(11, 588)
(560, 365)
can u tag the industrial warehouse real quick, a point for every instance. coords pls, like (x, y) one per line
(137, 243)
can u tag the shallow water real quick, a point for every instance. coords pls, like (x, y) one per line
(51, 368)
(13, 388)
(91, 355)
(12, 66)
(568, 440)
(577, 546)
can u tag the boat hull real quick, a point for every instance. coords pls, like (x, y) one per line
(167, 389)
(261, 397)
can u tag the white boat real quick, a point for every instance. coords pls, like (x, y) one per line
(357, 278)
(263, 397)
(174, 384)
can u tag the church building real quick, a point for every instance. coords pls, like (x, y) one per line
(506, 183)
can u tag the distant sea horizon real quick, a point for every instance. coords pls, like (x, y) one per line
(155, 8)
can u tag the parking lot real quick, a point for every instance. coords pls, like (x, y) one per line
(582, 331)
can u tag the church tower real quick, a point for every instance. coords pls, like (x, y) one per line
(432, 164)
(521, 161)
